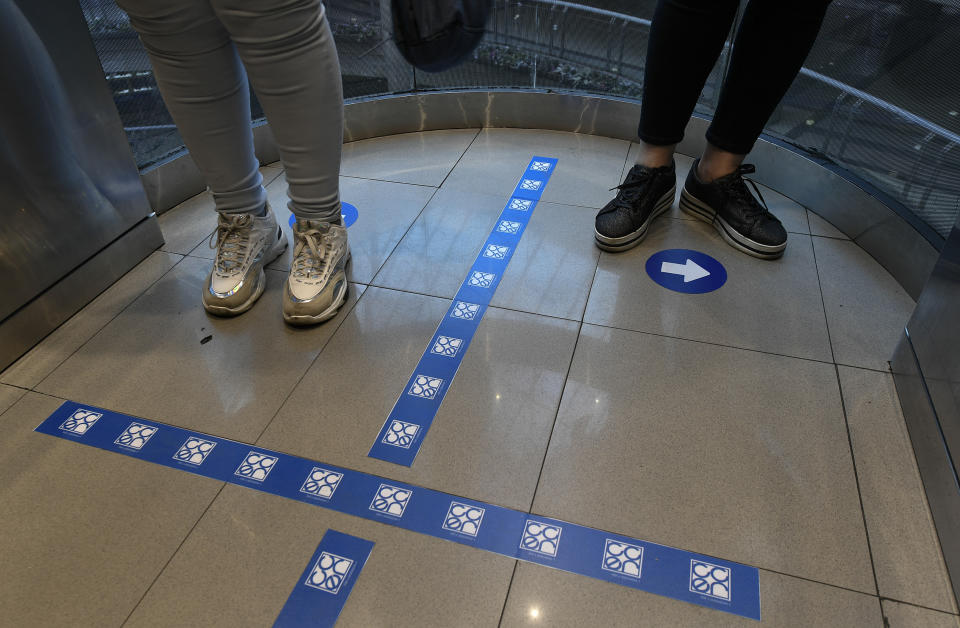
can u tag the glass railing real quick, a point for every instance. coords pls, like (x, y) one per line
(879, 94)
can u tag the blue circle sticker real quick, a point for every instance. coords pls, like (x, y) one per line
(348, 212)
(683, 270)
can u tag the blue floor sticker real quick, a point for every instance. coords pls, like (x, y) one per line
(683, 270)
(325, 584)
(406, 426)
(671, 572)
(348, 213)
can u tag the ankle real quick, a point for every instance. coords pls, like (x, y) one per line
(708, 172)
(653, 156)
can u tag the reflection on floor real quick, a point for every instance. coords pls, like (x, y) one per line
(757, 423)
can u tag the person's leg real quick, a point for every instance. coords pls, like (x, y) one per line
(205, 90)
(773, 40)
(686, 38)
(289, 53)
(771, 44)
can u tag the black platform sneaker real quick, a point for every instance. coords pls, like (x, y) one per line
(645, 194)
(743, 221)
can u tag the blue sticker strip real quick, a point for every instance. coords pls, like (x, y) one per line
(325, 584)
(695, 578)
(403, 432)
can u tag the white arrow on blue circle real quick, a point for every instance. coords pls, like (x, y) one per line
(691, 271)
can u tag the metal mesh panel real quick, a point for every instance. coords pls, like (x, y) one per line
(878, 95)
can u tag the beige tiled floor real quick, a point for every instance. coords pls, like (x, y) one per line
(718, 423)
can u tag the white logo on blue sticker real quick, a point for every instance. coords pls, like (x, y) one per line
(530, 184)
(391, 500)
(321, 483)
(479, 279)
(509, 226)
(329, 572)
(496, 251)
(465, 311)
(194, 450)
(622, 558)
(401, 434)
(710, 579)
(256, 466)
(543, 538)
(464, 518)
(136, 435)
(520, 204)
(447, 346)
(425, 386)
(540, 166)
(683, 270)
(80, 421)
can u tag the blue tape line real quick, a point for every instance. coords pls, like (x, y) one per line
(325, 584)
(406, 426)
(348, 213)
(671, 572)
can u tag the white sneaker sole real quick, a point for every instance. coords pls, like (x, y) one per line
(624, 243)
(700, 210)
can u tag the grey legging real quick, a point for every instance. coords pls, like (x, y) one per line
(196, 48)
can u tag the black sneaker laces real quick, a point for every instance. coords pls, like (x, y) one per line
(733, 185)
(627, 192)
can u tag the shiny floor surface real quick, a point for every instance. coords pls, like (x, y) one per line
(757, 423)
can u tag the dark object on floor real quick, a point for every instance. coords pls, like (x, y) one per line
(206, 339)
(435, 35)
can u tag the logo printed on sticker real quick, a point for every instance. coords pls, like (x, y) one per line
(256, 466)
(495, 251)
(519, 204)
(136, 435)
(425, 386)
(391, 500)
(194, 450)
(465, 311)
(530, 184)
(447, 346)
(321, 483)
(508, 226)
(481, 279)
(543, 538)
(622, 558)
(540, 166)
(463, 518)
(709, 579)
(401, 434)
(80, 421)
(329, 572)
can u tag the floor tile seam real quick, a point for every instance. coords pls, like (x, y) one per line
(507, 196)
(506, 598)
(326, 343)
(713, 344)
(436, 190)
(563, 389)
(393, 181)
(112, 318)
(921, 606)
(173, 555)
(460, 158)
(493, 307)
(276, 176)
(856, 477)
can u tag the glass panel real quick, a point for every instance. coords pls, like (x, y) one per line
(879, 95)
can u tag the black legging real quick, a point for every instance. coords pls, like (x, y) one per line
(685, 40)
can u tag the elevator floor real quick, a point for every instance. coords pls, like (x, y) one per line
(757, 423)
